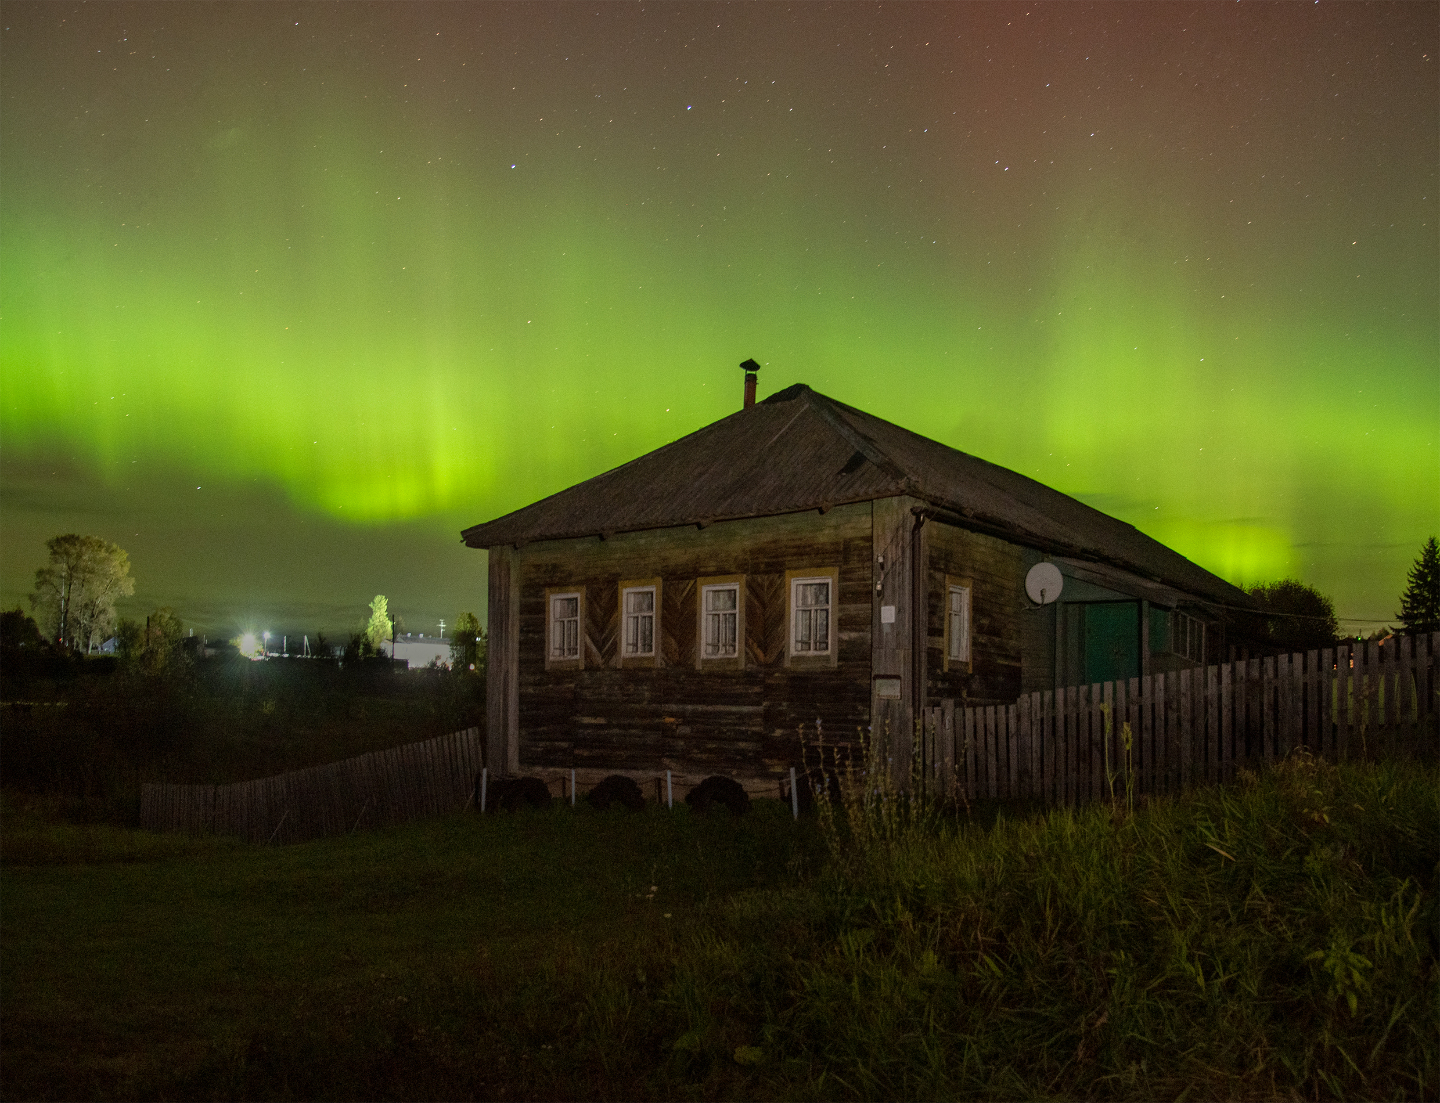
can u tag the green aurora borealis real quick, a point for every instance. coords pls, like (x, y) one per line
(290, 293)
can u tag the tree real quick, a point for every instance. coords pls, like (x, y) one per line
(379, 627)
(1420, 603)
(75, 595)
(19, 632)
(467, 647)
(1299, 617)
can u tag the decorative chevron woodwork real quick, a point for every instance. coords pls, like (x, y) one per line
(677, 623)
(764, 618)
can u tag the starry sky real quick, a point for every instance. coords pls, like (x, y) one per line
(291, 293)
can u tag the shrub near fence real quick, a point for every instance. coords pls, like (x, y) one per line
(1358, 700)
(405, 783)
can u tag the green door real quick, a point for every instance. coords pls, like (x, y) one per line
(1112, 641)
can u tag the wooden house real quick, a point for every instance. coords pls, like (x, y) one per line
(803, 561)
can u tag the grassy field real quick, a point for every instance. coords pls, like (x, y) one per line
(91, 731)
(1274, 939)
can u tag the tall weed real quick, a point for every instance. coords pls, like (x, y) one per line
(1273, 938)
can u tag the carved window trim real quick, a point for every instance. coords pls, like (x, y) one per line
(643, 658)
(958, 650)
(720, 662)
(799, 660)
(564, 662)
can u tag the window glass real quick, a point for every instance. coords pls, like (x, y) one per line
(565, 626)
(811, 607)
(640, 622)
(719, 631)
(957, 624)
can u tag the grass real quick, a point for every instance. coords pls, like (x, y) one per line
(92, 731)
(1274, 939)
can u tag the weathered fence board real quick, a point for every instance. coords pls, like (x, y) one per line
(393, 786)
(1358, 700)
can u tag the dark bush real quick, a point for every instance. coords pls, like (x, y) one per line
(719, 790)
(509, 794)
(616, 789)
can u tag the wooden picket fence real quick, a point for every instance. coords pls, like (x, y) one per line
(1191, 727)
(405, 783)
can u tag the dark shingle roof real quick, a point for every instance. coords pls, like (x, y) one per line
(799, 450)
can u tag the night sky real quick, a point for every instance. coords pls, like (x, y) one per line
(291, 293)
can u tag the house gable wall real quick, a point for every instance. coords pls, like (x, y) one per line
(739, 717)
(995, 572)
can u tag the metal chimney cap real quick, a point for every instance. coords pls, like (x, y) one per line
(750, 365)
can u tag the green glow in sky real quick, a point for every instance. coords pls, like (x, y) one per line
(410, 265)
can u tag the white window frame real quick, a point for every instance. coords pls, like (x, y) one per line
(720, 615)
(803, 617)
(556, 655)
(636, 619)
(794, 579)
(959, 623)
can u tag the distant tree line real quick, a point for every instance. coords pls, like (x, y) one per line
(1298, 617)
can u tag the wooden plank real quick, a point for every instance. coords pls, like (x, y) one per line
(1295, 686)
(1130, 717)
(971, 789)
(1183, 730)
(1402, 663)
(1304, 699)
(1066, 709)
(1340, 700)
(1094, 734)
(1279, 685)
(1008, 722)
(1217, 752)
(1109, 740)
(1273, 749)
(1225, 704)
(1073, 699)
(1411, 706)
(1105, 735)
(1026, 722)
(1389, 693)
(991, 754)
(1361, 730)
(947, 746)
(1054, 746)
(1324, 700)
(1154, 720)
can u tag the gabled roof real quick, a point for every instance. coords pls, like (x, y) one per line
(800, 450)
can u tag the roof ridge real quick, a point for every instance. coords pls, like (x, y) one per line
(825, 407)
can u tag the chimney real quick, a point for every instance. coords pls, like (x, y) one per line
(750, 369)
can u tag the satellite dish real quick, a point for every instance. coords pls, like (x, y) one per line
(1044, 583)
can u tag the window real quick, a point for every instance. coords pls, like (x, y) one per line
(1187, 637)
(638, 619)
(957, 624)
(720, 621)
(812, 596)
(565, 610)
(810, 600)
